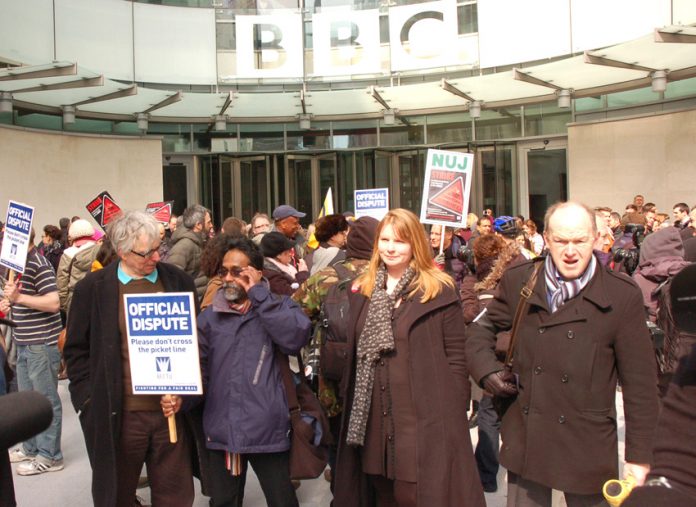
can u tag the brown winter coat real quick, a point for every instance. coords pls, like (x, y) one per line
(446, 471)
(561, 430)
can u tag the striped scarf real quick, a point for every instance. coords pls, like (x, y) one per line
(377, 338)
(558, 290)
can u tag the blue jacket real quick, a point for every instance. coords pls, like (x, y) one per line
(246, 410)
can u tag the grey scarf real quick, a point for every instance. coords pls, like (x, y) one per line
(377, 338)
(558, 290)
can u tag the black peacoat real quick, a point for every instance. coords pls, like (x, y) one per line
(446, 471)
(93, 356)
(562, 430)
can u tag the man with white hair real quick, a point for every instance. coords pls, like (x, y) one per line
(583, 327)
(122, 431)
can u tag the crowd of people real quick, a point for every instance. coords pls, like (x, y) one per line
(525, 334)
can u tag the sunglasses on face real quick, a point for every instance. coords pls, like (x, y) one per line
(235, 271)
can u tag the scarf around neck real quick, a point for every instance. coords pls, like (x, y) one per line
(558, 290)
(377, 338)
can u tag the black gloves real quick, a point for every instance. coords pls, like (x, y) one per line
(500, 383)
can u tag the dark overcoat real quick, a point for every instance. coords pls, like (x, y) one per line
(93, 357)
(446, 471)
(562, 431)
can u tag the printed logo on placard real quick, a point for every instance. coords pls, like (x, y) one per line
(164, 367)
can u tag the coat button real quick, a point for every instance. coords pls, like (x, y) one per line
(381, 363)
(390, 438)
(537, 370)
(561, 419)
(384, 413)
(541, 330)
(383, 388)
(525, 410)
(571, 334)
(564, 378)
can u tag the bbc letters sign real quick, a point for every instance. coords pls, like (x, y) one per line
(347, 42)
(162, 343)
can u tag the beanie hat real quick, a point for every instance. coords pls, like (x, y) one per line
(361, 238)
(274, 243)
(80, 229)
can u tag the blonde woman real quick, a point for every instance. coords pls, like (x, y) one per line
(404, 435)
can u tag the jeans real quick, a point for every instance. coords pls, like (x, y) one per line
(37, 370)
(488, 445)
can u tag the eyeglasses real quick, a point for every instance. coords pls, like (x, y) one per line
(261, 226)
(148, 254)
(235, 271)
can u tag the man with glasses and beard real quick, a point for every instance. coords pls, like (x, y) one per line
(245, 419)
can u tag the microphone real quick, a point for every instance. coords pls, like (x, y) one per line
(23, 415)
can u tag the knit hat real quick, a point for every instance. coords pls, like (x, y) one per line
(274, 243)
(80, 229)
(361, 238)
(328, 226)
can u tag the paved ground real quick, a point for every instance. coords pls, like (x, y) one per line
(71, 486)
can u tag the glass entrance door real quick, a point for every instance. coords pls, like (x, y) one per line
(411, 171)
(245, 187)
(495, 180)
(254, 188)
(307, 178)
(543, 178)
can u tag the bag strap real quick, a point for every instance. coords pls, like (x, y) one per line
(288, 382)
(525, 293)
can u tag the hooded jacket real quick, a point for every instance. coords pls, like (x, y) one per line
(661, 257)
(246, 409)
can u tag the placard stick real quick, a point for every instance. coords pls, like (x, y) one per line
(172, 428)
(10, 275)
(442, 238)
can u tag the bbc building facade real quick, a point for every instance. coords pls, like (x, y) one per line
(244, 105)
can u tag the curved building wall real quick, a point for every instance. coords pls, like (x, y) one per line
(611, 161)
(59, 173)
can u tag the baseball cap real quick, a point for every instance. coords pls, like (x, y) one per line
(285, 211)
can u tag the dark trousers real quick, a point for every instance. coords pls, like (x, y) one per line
(394, 493)
(488, 446)
(145, 439)
(7, 493)
(272, 470)
(524, 493)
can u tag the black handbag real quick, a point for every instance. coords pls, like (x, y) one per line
(502, 403)
(307, 458)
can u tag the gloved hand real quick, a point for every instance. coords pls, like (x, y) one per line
(500, 383)
(440, 260)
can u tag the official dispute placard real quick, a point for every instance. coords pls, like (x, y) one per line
(447, 188)
(15, 244)
(163, 343)
(371, 202)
